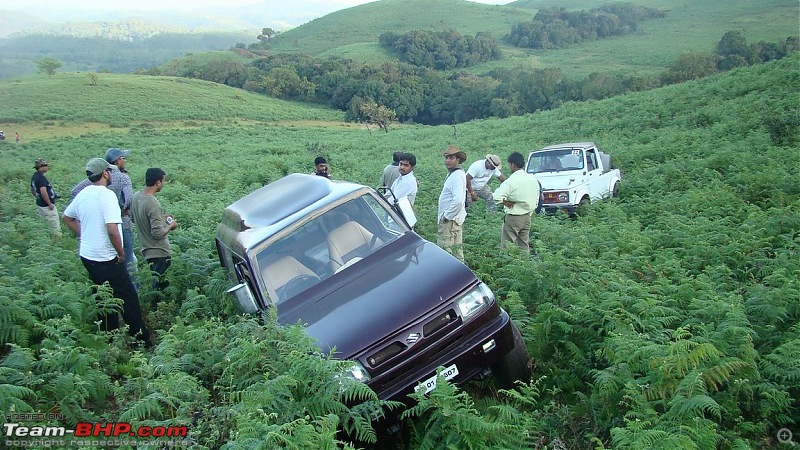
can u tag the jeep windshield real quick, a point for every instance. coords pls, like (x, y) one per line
(323, 244)
(555, 160)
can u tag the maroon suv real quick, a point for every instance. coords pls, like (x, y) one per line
(337, 257)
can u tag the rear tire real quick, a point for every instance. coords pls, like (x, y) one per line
(514, 365)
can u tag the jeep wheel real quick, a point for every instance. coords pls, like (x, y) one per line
(582, 207)
(514, 365)
(615, 190)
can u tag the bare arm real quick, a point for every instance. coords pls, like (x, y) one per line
(45, 197)
(73, 225)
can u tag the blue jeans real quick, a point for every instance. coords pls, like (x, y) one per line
(130, 256)
(120, 281)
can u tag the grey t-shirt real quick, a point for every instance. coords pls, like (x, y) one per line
(148, 216)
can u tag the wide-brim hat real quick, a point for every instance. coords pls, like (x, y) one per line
(453, 150)
(494, 160)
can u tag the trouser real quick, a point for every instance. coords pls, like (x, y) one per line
(120, 281)
(517, 229)
(159, 266)
(51, 217)
(130, 255)
(486, 194)
(450, 237)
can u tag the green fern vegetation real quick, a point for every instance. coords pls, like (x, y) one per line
(668, 318)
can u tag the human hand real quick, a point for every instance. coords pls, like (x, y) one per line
(51, 206)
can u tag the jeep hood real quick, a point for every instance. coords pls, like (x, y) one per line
(369, 300)
(561, 180)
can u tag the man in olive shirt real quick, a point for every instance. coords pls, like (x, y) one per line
(153, 225)
(519, 194)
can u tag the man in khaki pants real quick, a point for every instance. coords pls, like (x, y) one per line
(452, 208)
(519, 194)
(45, 196)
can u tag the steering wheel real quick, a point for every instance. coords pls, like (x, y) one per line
(295, 286)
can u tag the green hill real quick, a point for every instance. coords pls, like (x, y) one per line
(689, 26)
(667, 318)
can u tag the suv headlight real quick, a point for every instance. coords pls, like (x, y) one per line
(474, 301)
(358, 373)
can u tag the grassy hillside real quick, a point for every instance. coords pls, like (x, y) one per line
(689, 26)
(666, 319)
(364, 23)
(123, 100)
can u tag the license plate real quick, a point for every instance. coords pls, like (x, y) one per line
(430, 384)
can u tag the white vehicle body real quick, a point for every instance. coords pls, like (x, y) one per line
(573, 174)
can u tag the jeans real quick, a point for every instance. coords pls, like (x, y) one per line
(120, 281)
(130, 256)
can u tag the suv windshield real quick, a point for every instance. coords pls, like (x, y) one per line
(322, 245)
(556, 160)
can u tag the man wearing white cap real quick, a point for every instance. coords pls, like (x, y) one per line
(94, 216)
(478, 176)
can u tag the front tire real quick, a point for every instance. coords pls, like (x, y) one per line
(615, 190)
(514, 365)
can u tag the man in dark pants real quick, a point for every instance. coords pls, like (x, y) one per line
(95, 217)
(153, 225)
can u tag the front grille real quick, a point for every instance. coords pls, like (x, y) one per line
(439, 322)
(385, 354)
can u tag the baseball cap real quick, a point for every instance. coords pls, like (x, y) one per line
(114, 154)
(96, 166)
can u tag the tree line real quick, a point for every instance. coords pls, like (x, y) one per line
(441, 50)
(415, 94)
(558, 28)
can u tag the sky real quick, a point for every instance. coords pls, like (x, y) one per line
(325, 6)
(287, 13)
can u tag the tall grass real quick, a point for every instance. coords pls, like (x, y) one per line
(664, 319)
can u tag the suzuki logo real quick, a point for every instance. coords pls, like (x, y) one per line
(413, 338)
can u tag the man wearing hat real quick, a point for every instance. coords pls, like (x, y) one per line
(519, 195)
(94, 216)
(45, 196)
(123, 188)
(478, 176)
(452, 210)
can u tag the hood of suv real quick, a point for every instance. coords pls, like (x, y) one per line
(369, 300)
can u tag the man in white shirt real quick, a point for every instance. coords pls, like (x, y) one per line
(406, 185)
(478, 176)
(452, 210)
(95, 217)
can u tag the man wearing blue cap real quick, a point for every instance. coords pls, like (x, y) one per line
(123, 189)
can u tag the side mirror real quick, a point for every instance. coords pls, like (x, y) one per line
(244, 298)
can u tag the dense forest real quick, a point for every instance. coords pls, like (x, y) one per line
(443, 50)
(558, 28)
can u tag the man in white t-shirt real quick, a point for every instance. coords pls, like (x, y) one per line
(478, 176)
(94, 216)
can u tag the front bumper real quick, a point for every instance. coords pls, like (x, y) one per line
(472, 351)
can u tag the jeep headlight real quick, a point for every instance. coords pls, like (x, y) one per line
(474, 301)
(358, 373)
(563, 197)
